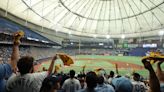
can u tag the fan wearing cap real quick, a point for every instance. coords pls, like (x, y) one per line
(50, 84)
(122, 84)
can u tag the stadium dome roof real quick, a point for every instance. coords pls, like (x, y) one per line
(104, 18)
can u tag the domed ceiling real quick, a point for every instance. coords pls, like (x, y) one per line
(95, 18)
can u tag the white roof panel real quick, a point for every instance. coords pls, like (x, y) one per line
(90, 17)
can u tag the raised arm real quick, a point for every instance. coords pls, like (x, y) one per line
(50, 69)
(153, 80)
(15, 52)
(159, 72)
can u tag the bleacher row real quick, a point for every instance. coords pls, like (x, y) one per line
(8, 27)
(37, 52)
(88, 51)
(13, 27)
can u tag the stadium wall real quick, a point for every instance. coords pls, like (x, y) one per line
(140, 51)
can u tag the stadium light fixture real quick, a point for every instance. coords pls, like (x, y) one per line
(69, 33)
(107, 36)
(161, 32)
(123, 36)
(101, 44)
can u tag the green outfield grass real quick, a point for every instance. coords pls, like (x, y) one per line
(93, 64)
(128, 59)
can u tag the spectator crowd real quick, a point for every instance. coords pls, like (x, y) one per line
(18, 75)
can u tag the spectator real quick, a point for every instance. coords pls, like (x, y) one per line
(64, 77)
(50, 84)
(7, 68)
(102, 87)
(153, 80)
(122, 84)
(91, 80)
(111, 76)
(71, 84)
(82, 83)
(138, 86)
(160, 75)
(27, 81)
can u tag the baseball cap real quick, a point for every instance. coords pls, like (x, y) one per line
(52, 79)
(122, 84)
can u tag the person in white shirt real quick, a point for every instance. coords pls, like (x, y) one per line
(71, 84)
(27, 81)
(111, 76)
(138, 86)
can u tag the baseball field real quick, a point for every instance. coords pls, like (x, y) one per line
(126, 64)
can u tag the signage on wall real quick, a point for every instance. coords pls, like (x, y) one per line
(153, 45)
